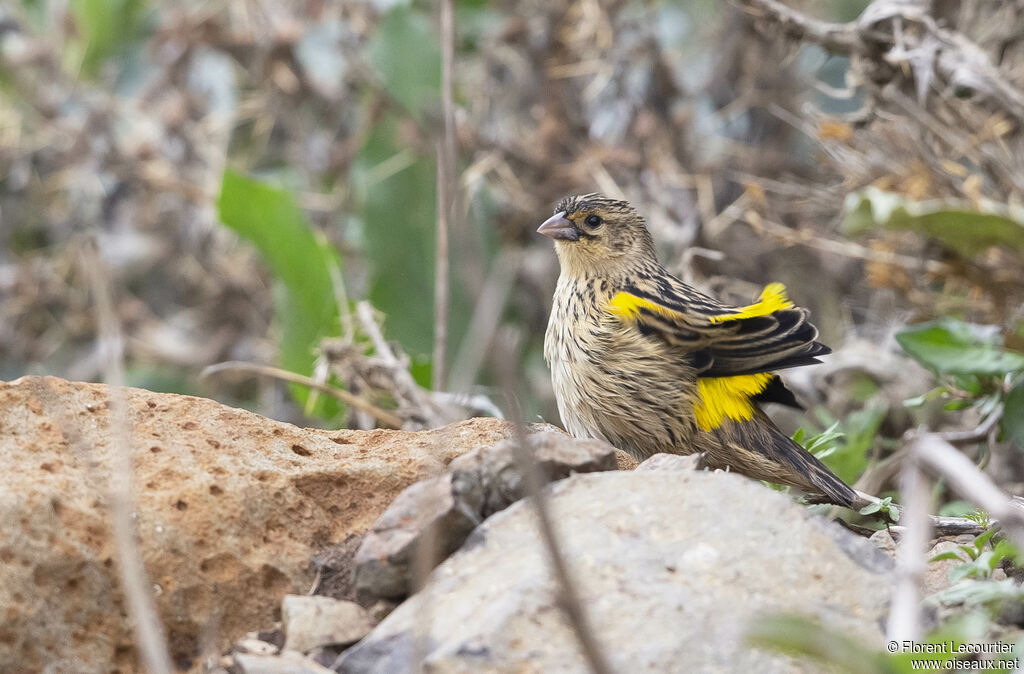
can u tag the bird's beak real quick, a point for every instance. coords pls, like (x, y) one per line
(558, 227)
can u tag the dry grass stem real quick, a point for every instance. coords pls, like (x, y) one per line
(905, 613)
(384, 417)
(149, 633)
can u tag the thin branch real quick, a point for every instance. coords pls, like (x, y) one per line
(968, 481)
(978, 434)
(442, 271)
(384, 417)
(839, 38)
(447, 187)
(958, 61)
(504, 360)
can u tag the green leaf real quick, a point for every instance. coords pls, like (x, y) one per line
(870, 508)
(824, 443)
(799, 636)
(945, 555)
(304, 303)
(950, 346)
(916, 401)
(1012, 422)
(974, 592)
(398, 214)
(981, 539)
(1004, 549)
(406, 55)
(957, 224)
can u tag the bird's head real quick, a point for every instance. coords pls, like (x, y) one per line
(596, 235)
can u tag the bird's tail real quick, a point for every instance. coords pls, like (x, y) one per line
(820, 479)
(758, 449)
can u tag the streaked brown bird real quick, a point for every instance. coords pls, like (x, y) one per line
(649, 364)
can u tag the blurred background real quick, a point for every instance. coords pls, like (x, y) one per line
(247, 173)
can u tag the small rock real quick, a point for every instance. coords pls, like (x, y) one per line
(936, 574)
(311, 621)
(679, 462)
(288, 662)
(883, 540)
(381, 609)
(445, 510)
(334, 566)
(254, 647)
(625, 461)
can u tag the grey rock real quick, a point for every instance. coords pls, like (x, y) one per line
(438, 510)
(445, 510)
(500, 478)
(311, 621)
(883, 540)
(673, 569)
(254, 647)
(861, 550)
(288, 662)
(936, 574)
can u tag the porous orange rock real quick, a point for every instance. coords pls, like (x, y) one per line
(229, 507)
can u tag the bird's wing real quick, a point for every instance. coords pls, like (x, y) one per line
(733, 349)
(719, 339)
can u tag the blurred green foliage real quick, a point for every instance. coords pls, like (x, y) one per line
(411, 76)
(1013, 416)
(304, 303)
(963, 227)
(846, 445)
(973, 368)
(951, 346)
(839, 652)
(395, 177)
(104, 28)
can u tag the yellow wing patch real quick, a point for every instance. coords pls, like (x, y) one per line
(773, 298)
(628, 306)
(721, 398)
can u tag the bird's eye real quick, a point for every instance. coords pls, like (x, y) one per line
(593, 221)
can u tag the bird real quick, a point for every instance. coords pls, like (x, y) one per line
(650, 364)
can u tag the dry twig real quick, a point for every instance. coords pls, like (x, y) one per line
(905, 613)
(447, 197)
(149, 633)
(384, 417)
